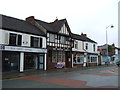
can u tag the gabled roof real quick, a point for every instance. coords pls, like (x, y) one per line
(82, 38)
(55, 26)
(14, 24)
(78, 37)
(117, 48)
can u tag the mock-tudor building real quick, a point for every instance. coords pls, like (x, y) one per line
(84, 51)
(59, 46)
(23, 46)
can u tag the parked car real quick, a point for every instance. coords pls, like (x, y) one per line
(60, 65)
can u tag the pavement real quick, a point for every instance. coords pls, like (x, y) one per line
(89, 77)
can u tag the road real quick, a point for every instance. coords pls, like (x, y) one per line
(102, 77)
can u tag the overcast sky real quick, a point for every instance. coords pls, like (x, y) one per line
(87, 16)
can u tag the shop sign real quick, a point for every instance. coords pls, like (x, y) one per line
(25, 49)
(61, 49)
(6, 59)
(60, 65)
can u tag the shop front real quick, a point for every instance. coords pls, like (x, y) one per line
(33, 61)
(10, 61)
(78, 59)
(21, 59)
(58, 56)
(92, 59)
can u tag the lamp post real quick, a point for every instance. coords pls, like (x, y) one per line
(111, 26)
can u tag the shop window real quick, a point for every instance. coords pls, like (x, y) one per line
(81, 59)
(36, 42)
(54, 56)
(61, 56)
(15, 39)
(74, 59)
(93, 59)
(78, 59)
(88, 58)
(10, 61)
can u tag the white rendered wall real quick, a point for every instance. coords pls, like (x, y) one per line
(4, 38)
(80, 46)
(21, 61)
(90, 47)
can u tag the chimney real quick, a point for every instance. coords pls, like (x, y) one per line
(113, 45)
(85, 35)
(30, 19)
(56, 19)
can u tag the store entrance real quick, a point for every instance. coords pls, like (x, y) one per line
(41, 62)
(30, 61)
(34, 61)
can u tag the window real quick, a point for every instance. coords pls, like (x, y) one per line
(54, 56)
(94, 47)
(67, 40)
(36, 42)
(93, 59)
(78, 59)
(88, 59)
(52, 38)
(74, 59)
(76, 45)
(82, 59)
(62, 39)
(86, 46)
(41, 41)
(58, 56)
(15, 39)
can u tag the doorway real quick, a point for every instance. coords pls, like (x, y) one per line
(41, 62)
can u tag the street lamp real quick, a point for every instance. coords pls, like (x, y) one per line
(111, 26)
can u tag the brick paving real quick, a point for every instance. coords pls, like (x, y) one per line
(64, 82)
(60, 81)
(67, 79)
(99, 74)
(112, 70)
